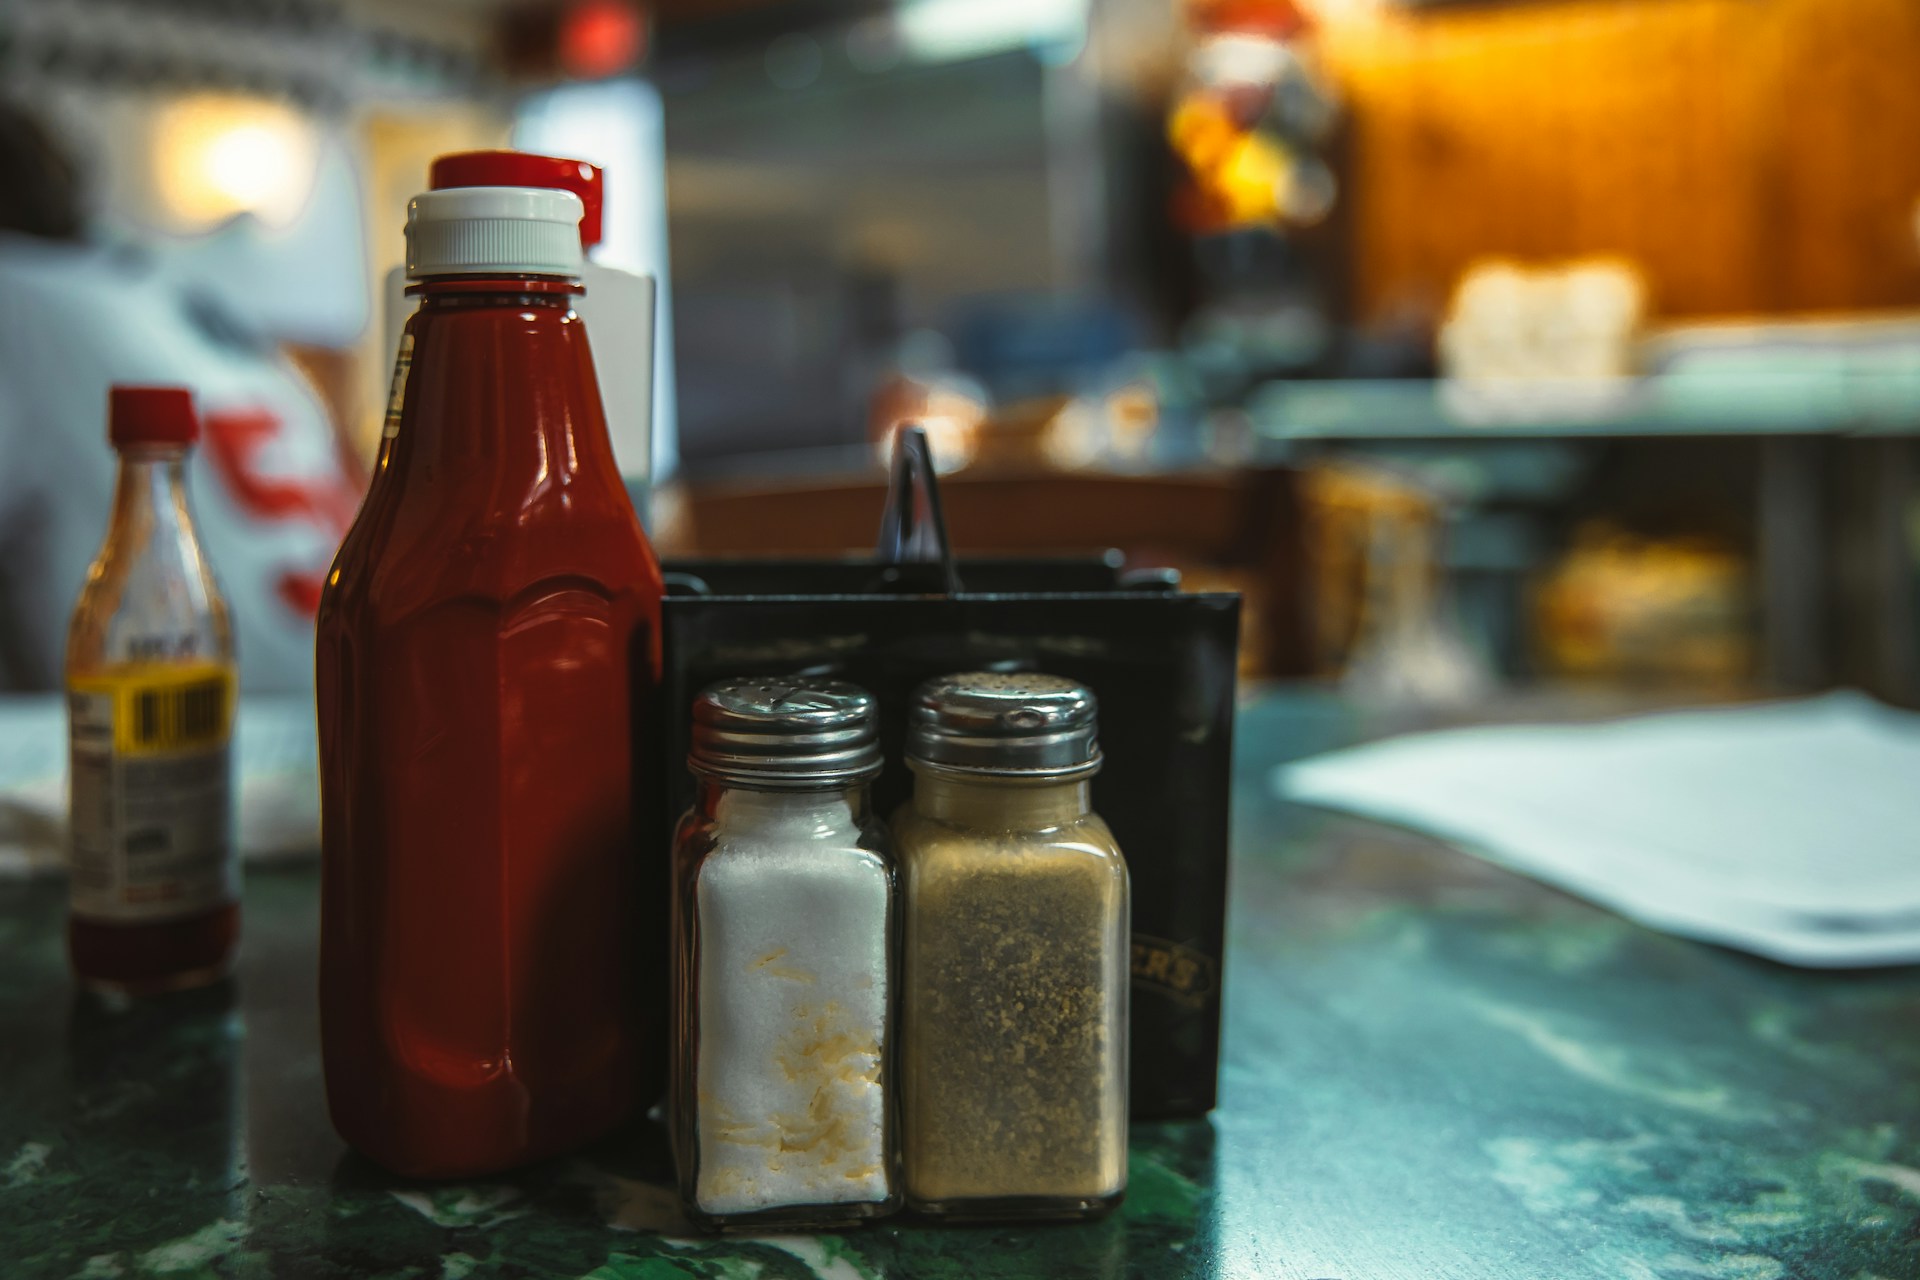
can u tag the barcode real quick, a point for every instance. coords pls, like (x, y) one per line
(187, 715)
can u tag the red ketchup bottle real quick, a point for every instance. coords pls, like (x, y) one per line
(488, 638)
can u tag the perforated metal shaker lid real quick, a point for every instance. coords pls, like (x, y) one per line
(774, 731)
(1005, 724)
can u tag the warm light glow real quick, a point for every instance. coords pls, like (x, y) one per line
(601, 38)
(1242, 178)
(216, 156)
(1326, 13)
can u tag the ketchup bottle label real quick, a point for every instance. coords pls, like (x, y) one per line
(397, 392)
(152, 775)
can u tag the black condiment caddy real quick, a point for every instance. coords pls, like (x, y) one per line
(1161, 662)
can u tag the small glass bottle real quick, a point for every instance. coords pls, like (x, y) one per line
(150, 694)
(1013, 1005)
(783, 932)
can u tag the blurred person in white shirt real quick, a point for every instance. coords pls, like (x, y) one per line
(271, 487)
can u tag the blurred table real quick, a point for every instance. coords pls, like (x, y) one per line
(1434, 1069)
(1748, 401)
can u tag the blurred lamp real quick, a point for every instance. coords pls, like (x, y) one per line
(600, 38)
(952, 30)
(216, 156)
(540, 41)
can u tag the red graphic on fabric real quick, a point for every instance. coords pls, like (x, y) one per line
(301, 592)
(234, 439)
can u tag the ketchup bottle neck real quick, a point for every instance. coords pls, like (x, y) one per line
(464, 289)
(501, 384)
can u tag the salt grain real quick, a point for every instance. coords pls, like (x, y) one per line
(792, 1008)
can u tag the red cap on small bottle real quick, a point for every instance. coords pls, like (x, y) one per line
(524, 169)
(151, 415)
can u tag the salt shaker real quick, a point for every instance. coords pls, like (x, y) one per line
(1014, 968)
(783, 929)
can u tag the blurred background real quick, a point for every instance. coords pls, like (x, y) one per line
(1480, 344)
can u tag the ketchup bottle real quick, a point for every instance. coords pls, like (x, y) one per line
(487, 639)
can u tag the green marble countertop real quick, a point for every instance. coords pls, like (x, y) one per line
(1433, 1069)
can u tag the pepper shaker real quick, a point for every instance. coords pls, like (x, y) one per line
(1014, 971)
(783, 928)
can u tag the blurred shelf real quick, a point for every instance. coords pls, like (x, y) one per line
(1747, 402)
(1209, 514)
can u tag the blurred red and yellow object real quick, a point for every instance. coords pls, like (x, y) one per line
(1240, 178)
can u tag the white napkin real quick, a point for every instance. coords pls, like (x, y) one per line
(1788, 829)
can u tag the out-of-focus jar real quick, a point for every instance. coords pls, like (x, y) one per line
(1014, 969)
(783, 934)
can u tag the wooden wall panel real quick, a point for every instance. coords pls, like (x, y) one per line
(1843, 85)
(1752, 155)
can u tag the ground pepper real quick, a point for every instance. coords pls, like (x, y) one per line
(1014, 974)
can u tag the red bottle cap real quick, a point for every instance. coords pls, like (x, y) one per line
(151, 415)
(524, 169)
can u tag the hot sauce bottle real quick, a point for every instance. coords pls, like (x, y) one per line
(150, 702)
(487, 636)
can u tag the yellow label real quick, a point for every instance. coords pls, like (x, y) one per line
(162, 707)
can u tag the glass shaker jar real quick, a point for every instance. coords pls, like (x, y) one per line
(783, 932)
(1014, 968)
